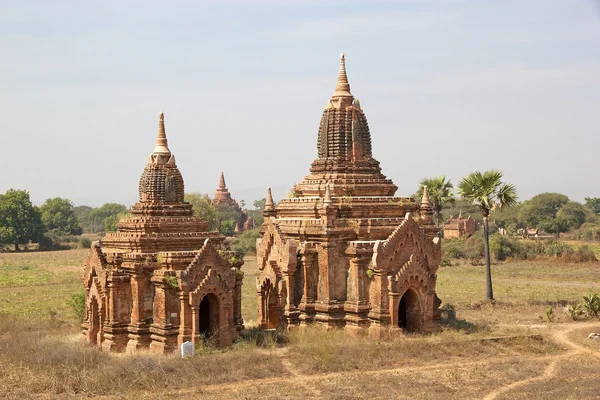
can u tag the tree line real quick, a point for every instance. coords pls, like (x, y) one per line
(57, 219)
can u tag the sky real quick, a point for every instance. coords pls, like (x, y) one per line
(448, 87)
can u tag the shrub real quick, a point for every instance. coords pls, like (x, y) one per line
(246, 242)
(77, 304)
(591, 304)
(573, 311)
(85, 243)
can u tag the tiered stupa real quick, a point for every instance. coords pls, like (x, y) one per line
(345, 252)
(222, 196)
(161, 279)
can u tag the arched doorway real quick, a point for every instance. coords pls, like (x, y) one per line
(269, 306)
(94, 334)
(208, 316)
(409, 312)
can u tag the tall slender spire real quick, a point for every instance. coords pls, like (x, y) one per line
(460, 214)
(222, 181)
(269, 203)
(425, 199)
(342, 88)
(161, 140)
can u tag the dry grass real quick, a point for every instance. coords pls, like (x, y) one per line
(41, 353)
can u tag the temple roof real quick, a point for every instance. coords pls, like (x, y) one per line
(161, 180)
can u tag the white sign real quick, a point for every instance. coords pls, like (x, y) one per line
(187, 349)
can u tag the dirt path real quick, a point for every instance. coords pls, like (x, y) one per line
(309, 383)
(560, 336)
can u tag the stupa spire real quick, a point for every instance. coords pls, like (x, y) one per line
(425, 200)
(161, 140)
(342, 88)
(222, 181)
(269, 203)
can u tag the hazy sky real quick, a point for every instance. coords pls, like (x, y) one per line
(448, 87)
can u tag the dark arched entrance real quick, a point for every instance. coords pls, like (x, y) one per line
(94, 330)
(269, 305)
(409, 312)
(208, 315)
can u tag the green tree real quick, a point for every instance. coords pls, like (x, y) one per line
(571, 216)
(593, 203)
(246, 242)
(486, 190)
(58, 217)
(20, 221)
(108, 211)
(541, 212)
(227, 227)
(260, 204)
(440, 194)
(83, 216)
(204, 208)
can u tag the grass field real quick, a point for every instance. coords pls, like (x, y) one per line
(42, 355)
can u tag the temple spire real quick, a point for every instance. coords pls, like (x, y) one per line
(222, 181)
(161, 140)
(425, 200)
(460, 214)
(342, 88)
(269, 203)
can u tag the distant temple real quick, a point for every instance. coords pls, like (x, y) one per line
(161, 279)
(458, 227)
(346, 252)
(222, 196)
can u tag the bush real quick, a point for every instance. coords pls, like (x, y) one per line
(246, 242)
(77, 304)
(464, 248)
(85, 243)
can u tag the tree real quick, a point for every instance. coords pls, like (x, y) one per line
(440, 194)
(100, 214)
(260, 204)
(227, 227)
(20, 221)
(242, 204)
(83, 216)
(58, 217)
(203, 208)
(486, 190)
(571, 216)
(540, 212)
(593, 203)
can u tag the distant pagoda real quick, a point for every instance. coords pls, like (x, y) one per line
(222, 196)
(161, 279)
(345, 252)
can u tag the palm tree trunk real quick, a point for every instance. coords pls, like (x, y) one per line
(488, 268)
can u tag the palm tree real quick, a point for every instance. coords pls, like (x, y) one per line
(486, 191)
(440, 193)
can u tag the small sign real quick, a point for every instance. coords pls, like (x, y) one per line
(187, 349)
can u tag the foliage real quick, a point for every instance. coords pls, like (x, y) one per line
(203, 208)
(82, 213)
(440, 194)
(553, 213)
(77, 304)
(85, 243)
(549, 314)
(591, 304)
(588, 231)
(462, 206)
(105, 218)
(593, 203)
(20, 221)
(227, 227)
(573, 311)
(172, 282)
(464, 248)
(246, 242)
(58, 216)
(260, 204)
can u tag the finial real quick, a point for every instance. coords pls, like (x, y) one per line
(460, 214)
(161, 140)
(342, 88)
(269, 203)
(327, 201)
(425, 199)
(222, 181)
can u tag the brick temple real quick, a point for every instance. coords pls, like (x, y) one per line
(161, 279)
(345, 252)
(222, 196)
